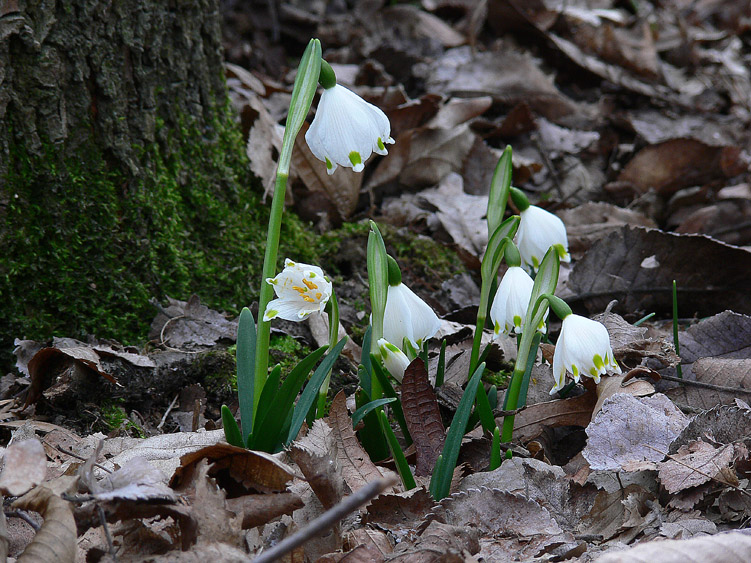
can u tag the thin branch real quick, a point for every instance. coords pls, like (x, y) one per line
(708, 385)
(326, 520)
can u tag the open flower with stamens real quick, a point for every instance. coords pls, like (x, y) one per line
(346, 130)
(301, 289)
(393, 358)
(538, 231)
(511, 301)
(408, 316)
(583, 348)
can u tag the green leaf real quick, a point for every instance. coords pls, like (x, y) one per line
(522, 401)
(246, 360)
(267, 432)
(495, 450)
(309, 394)
(358, 415)
(402, 466)
(545, 282)
(484, 410)
(306, 83)
(388, 390)
(270, 389)
(499, 189)
(378, 282)
(366, 372)
(441, 369)
(445, 470)
(231, 430)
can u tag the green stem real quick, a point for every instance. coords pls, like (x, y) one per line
(267, 291)
(477, 342)
(516, 384)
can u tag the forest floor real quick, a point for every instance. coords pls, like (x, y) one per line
(630, 121)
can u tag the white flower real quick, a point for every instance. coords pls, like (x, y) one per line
(301, 289)
(511, 302)
(408, 316)
(538, 231)
(583, 348)
(347, 129)
(394, 359)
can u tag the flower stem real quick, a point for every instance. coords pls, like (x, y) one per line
(515, 386)
(267, 292)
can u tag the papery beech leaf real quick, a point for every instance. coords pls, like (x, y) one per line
(423, 416)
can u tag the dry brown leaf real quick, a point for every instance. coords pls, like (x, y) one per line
(730, 547)
(256, 510)
(611, 384)
(637, 266)
(137, 480)
(400, 513)
(264, 140)
(56, 539)
(257, 470)
(191, 325)
(357, 469)
(376, 542)
(610, 514)
(423, 24)
(316, 456)
(423, 416)
(24, 467)
(630, 429)
(716, 371)
(439, 542)
(694, 464)
(724, 424)
(679, 163)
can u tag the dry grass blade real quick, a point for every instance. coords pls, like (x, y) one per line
(423, 416)
(56, 539)
(357, 469)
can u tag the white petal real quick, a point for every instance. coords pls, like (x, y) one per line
(408, 316)
(538, 231)
(394, 359)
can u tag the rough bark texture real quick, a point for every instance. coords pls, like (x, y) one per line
(122, 174)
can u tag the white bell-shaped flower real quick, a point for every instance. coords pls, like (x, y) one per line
(583, 348)
(346, 130)
(408, 316)
(538, 231)
(301, 289)
(511, 302)
(393, 358)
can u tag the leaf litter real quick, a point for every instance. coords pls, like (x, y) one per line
(632, 125)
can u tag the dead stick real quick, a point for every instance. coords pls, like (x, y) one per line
(707, 385)
(326, 520)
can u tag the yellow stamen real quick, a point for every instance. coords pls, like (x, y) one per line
(300, 290)
(310, 284)
(319, 295)
(308, 299)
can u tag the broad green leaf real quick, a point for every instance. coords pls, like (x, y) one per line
(246, 360)
(231, 430)
(499, 189)
(378, 281)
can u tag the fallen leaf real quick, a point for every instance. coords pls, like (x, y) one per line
(423, 416)
(137, 480)
(724, 424)
(256, 510)
(630, 429)
(264, 140)
(357, 469)
(610, 514)
(400, 513)
(439, 542)
(716, 371)
(316, 456)
(729, 547)
(375, 542)
(24, 467)
(637, 266)
(694, 464)
(56, 539)
(190, 325)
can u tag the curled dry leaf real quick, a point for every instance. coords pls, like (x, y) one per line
(256, 470)
(695, 464)
(256, 510)
(423, 416)
(191, 325)
(439, 542)
(375, 542)
(400, 513)
(137, 480)
(56, 539)
(637, 267)
(357, 469)
(24, 467)
(316, 456)
(630, 429)
(730, 547)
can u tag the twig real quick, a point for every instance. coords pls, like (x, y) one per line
(23, 516)
(326, 520)
(708, 385)
(679, 462)
(103, 520)
(71, 454)
(166, 413)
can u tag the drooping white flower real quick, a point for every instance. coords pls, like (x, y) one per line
(583, 348)
(408, 316)
(346, 130)
(393, 358)
(511, 302)
(301, 289)
(538, 231)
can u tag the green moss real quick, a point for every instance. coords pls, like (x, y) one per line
(87, 246)
(114, 418)
(500, 379)
(286, 351)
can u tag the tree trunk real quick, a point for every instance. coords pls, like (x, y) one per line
(122, 174)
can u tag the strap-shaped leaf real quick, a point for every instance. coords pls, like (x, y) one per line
(378, 282)
(267, 430)
(388, 390)
(231, 430)
(310, 392)
(402, 467)
(440, 483)
(270, 388)
(246, 361)
(360, 413)
(499, 189)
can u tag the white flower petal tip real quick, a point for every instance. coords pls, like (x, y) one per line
(346, 125)
(538, 231)
(394, 359)
(511, 301)
(408, 316)
(301, 289)
(583, 348)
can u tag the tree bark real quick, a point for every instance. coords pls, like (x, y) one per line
(122, 174)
